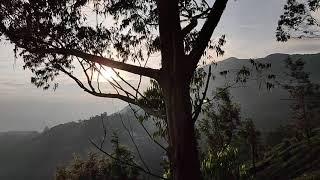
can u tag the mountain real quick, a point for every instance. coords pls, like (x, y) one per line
(36, 155)
(267, 108)
(33, 155)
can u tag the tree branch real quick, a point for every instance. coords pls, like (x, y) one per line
(136, 90)
(87, 76)
(145, 129)
(124, 162)
(108, 95)
(114, 96)
(149, 72)
(204, 94)
(134, 143)
(207, 30)
(186, 30)
(104, 132)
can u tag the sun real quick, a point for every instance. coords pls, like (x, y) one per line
(108, 74)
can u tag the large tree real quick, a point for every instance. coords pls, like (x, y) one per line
(51, 35)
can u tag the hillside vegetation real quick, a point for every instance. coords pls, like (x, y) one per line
(36, 155)
(292, 159)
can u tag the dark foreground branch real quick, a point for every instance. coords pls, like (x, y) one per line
(144, 71)
(207, 30)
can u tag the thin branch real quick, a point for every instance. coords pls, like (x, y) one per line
(104, 132)
(136, 90)
(204, 94)
(145, 129)
(122, 89)
(222, 90)
(134, 143)
(124, 162)
(108, 95)
(98, 80)
(115, 85)
(138, 87)
(87, 76)
(206, 3)
(114, 96)
(140, 78)
(80, 84)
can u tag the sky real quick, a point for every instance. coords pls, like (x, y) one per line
(249, 26)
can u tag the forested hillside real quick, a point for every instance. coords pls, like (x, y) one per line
(32, 155)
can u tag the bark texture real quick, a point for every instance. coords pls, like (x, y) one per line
(183, 145)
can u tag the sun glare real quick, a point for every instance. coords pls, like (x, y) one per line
(108, 74)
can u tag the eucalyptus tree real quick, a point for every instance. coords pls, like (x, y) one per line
(52, 35)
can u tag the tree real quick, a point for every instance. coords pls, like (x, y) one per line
(251, 135)
(222, 164)
(52, 35)
(304, 95)
(299, 20)
(101, 168)
(222, 118)
(220, 157)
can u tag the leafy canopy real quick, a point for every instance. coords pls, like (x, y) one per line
(299, 20)
(51, 34)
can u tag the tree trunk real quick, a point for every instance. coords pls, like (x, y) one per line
(182, 141)
(253, 151)
(176, 73)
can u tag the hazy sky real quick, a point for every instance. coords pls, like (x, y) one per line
(249, 26)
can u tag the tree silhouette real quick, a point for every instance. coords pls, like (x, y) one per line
(251, 135)
(220, 157)
(299, 20)
(51, 36)
(222, 118)
(304, 96)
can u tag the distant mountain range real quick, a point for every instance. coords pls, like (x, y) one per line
(267, 108)
(34, 155)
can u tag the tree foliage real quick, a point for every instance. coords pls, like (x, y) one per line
(220, 129)
(299, 20)
(223, 164)
(252, 137)
(305, 98)
(222, 118)
(101, 168)
(51, 36)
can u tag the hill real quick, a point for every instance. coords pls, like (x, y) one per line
(36, 155)
(268, 109)
(291, 159)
